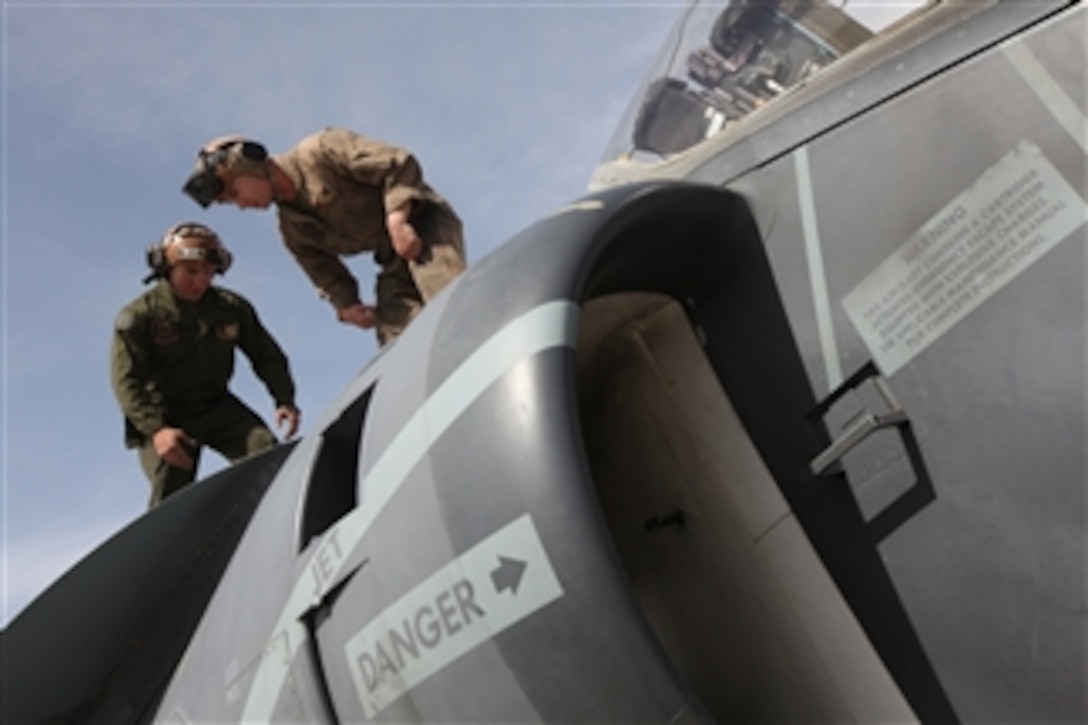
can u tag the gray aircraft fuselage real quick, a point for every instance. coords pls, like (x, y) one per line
(788, 425)
(921, 201)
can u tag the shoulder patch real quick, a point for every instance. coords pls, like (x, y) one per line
(232, 301)
(125, 320)
(228, 331)
(163, 330)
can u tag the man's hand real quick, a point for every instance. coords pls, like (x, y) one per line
(170, 445)
(360, 315)
(406, 242)
(291, 415)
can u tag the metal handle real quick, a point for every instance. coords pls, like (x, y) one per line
(862, 426)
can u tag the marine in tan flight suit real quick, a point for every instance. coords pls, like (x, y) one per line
(339, 193)
(173, 355)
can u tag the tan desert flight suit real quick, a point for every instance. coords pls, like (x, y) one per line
(347, 184)
(170, 363)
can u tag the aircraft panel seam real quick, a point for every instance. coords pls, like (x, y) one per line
(549, 325)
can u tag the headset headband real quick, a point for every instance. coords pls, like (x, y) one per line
(171, 245)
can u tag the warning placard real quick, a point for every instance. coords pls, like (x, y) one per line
(497, 583)
(1013, 215)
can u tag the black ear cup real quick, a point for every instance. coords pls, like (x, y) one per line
(156, 257)
(225, 258)
(254, 151)
(249, 150)
(156, 261)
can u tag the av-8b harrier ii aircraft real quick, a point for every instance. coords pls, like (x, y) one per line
(785, 421)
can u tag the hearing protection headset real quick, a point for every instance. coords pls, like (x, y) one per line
(186, 241)
(235, 154)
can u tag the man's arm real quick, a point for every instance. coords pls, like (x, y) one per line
(331, 277)
(328, 274)
(140, 400)
(270, 365)
(138, 395)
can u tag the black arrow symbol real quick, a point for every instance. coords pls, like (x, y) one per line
(508, 575)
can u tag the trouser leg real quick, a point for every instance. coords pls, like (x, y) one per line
(403, 287)
(229, 427)
(233, 429)
(443, 258)
(165, 479)
(398, 300)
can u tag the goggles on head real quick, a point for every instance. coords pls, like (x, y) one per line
(188, 241)
(191, 241)
(204, 186)
(233, 154)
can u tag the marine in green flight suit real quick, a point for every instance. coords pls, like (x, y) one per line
(172, 358)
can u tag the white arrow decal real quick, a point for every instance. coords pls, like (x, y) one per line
(552, 324)
(455, 609)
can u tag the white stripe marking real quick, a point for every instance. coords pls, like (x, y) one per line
(552, 324)
(818, 279)
(1064, 110)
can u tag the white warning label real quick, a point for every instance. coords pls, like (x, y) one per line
(1013, 215)
(498, 582)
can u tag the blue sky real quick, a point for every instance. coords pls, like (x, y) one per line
(508, 105)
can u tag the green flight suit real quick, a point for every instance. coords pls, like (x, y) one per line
(171, 362)
(346, 185)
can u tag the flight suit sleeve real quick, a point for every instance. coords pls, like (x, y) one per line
(265, 355)
(394, 170)
(328, 274)
(130, 359)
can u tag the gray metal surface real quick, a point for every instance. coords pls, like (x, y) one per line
(438, 548)
(467, 535)
(993, 573)
(471, 435)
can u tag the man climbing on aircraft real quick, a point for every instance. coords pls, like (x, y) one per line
(173, 355)
(339, 193)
